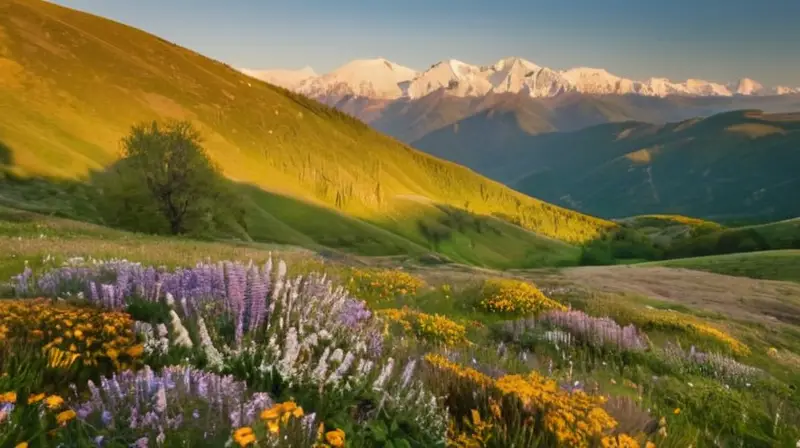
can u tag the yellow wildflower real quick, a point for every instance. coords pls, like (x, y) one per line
(65, 416)
(335, 438)
(244, 436)
(53, 402)
(35, 398)
(8, 397)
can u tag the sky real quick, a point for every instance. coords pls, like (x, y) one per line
(717, 40)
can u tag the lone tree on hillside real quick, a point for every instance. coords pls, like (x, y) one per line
(165, 183)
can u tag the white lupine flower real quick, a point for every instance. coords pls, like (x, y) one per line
(361, 347)
(408, 372)
(337, 355)
(291, 350)
(215, 360)
(322, 365)
(162, 330)
(387, 370)
(170, 300)
(182, 338)
(364, 368)
(324, 335)
(311, 340)
(343, 368)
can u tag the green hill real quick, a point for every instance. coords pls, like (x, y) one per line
(768, 265)
(72, 84)
(730, 165)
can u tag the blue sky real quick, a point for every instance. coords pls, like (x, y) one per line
(719, 40)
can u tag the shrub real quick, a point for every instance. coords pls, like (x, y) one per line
(515, 297)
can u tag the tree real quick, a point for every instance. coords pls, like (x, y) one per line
(165, 183)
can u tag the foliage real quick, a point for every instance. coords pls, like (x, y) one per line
(165, 183)
(515, 297)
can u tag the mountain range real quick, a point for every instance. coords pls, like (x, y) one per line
(409, 105)
(383, 79)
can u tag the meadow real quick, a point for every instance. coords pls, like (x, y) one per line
(280, 346)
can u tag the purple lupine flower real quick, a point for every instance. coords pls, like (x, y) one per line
(258, 300)
(146, 401)
(354, 312)
(596, 331)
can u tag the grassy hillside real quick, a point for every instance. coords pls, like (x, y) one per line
(777, 235)
(728, 165)
(768, 265)
(71, 85)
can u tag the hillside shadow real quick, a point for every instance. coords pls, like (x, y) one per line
(6, 158)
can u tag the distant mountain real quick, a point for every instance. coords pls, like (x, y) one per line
(288, 79)
(489, 139)
(379, 78)
(729, 165)
(409, 105)
(310, 175)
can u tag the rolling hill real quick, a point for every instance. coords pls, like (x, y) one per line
(72, 84)
(729, 165)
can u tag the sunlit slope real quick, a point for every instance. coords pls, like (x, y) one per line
(71, 85)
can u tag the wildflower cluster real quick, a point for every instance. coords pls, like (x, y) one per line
(443, 365)
(597, 331)
(381, 285)
(178, 399)
(573, 418)
(433, 328)
(654, 318)
(68, 334)
(713, 365)
(50, 412)
(515, 297)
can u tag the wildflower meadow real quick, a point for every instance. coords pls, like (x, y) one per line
(121, 354)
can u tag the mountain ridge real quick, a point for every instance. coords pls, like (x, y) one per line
(515, 75)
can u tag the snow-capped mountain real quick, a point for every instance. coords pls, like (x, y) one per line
(372, 78)
(385, 80)
(289, 79)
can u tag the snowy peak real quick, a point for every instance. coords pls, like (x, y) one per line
(455, 77)
(374, 78)
(382, 79)
(747, 86)
(288, 79)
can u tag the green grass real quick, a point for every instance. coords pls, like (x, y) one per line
(72, 84)
(768, 265)
(31, 238)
